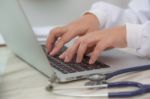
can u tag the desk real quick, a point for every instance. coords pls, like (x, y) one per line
(20, 81)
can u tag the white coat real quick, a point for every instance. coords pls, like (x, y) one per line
(136, 18)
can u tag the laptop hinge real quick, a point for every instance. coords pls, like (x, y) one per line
(52, 80)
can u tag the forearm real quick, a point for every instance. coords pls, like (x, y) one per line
(110, 15)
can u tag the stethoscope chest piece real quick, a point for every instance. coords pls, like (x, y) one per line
(96, 79)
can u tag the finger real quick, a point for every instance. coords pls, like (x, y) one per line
(58, 45)
(70, 52)
(97, 50)
(62, 56)
(81, 51)
(109, 48)
(63, 40)
(54, 34)
(65, 53)
(89, 50)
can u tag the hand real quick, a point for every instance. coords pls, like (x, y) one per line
(61, 35)
(99, 41)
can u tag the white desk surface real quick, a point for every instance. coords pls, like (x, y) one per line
(20, 81)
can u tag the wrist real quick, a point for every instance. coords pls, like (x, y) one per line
(91, 20)
(123, 30)
(122, 36)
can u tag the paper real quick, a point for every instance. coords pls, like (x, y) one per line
(2, 42)
(42, 33)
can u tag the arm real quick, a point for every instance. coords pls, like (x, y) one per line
(136, 17)
(138, 12)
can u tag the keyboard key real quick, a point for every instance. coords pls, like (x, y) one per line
(72, 66)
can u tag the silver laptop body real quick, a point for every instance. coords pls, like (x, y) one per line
(20, 38)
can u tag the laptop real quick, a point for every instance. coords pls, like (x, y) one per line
(20, 38)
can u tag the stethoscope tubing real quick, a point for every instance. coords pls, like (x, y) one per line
(127, 70)
(141, 88)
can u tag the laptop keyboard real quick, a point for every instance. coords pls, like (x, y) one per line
(72, 66)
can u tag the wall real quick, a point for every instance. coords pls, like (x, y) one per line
(54, 12)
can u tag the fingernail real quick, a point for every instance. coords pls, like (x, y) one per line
(78, 60)
(91, 61)
(66, 59)
(61, 56)
(52, 53)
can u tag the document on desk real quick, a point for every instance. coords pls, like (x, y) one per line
(2, 42)
(42, 33)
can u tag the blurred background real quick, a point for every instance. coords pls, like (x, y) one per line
(42, 13)
(57, 12)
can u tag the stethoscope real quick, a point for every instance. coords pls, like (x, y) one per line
(100, 81)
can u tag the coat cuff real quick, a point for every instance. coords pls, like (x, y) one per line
(134, 35)
(101, 16)
(101, 11)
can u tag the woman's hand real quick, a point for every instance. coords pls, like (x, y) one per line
(59, 36)
(98, 41)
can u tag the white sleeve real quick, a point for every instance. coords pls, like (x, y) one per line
(110, 15)
(138, 37)
(137, 20)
